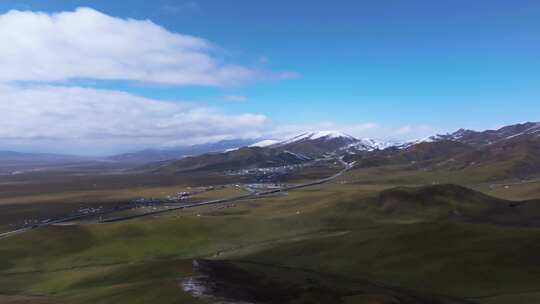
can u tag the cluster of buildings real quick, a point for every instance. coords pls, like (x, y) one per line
(265, 186)
(89, 210)
(179, 196)
(265, 171)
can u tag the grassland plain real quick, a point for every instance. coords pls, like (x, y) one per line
(337, 229)
(43, 195)
(54, 194)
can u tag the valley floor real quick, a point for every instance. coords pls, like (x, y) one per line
(354, 240)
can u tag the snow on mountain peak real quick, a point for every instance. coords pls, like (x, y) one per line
(265, 143)
(329, 134)
(370, 144)
(317, 135)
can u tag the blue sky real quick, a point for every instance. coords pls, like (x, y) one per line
(409, 67)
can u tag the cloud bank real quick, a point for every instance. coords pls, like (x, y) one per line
(87, 44)
(92, 121)
(112, 120)
(41, 53)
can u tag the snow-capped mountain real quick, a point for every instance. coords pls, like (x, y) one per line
(323, 135)
(264, 143)
(384, 144)
(315, 144)
(479, 138)
(464, 147)
(320, 143)
(307, 145)
(370, 144)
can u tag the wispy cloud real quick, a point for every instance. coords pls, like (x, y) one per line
(87, 44)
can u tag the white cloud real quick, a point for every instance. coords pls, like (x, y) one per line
(64, 118)
(93, 121)
(38, 48)
(87, 44)
(235, 98)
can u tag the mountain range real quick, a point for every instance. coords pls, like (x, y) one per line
(296, 150)
(11, 161)
(528, 129)
(510, 151)
(161, 154)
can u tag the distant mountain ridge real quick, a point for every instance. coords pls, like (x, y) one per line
(528, 129)
(11, 161)
(271, 153)
(162, 154)
(243, 158)
(321, 142)
(508, 152)
(22, 156)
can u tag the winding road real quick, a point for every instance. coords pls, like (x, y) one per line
(347, 167)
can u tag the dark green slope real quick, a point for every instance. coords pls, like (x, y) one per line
(421, 154)
(515, 158)
(442, 239)
(444, 202)
(331, 244)
(243, 158)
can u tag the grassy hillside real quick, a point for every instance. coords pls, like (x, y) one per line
(348, 236)
(422, 154)
(514, 158)
(243, 158)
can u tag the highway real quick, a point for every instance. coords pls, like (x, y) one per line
(347, 167)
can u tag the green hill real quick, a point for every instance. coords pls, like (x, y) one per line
(401, 245)
(243, 158)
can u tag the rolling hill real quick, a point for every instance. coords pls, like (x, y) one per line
(509, 152)
(269, 153)
(422, 154)
(488, 137)
(243, 158)
(512, 152)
